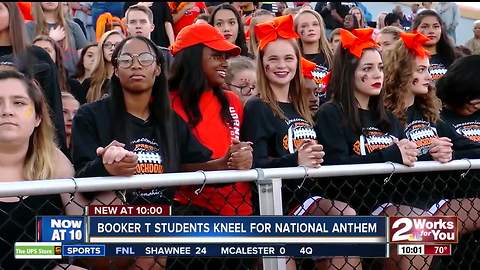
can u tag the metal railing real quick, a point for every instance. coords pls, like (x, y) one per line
(268, 182)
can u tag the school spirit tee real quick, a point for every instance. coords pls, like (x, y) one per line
(343, 146)
(216, 135)
(141, 139)
(422, 133)
(319, 73)
(92, 128)
(466, 126)
(438, 67)
(276, 142)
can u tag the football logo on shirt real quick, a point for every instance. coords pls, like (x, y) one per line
(372, 139)
(318, 74)
(471, 130)
(422, 134)
(437, 71)
(299, 130)
(149, 162)
(149, 159)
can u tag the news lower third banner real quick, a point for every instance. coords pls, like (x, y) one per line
(129, 233)
(245, 229)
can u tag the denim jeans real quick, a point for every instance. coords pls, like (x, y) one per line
(452, 34)
(98, 8)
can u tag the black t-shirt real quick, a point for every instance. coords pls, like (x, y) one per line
(18, 224)
(344, 146)
(467, 126)
(86, 87)
(342, 8)
(276, 141)
(93, 128)
(141, 140)
(438, 66)
(317, 58)
(423, 132)
(36, 62)
(6, 50)
(420, 132)
(319, 73)
(77, 90)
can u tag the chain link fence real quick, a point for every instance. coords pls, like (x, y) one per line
(330, 190)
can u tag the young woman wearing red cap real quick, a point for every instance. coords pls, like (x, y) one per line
(147, 137)
(410, 96)
(214, 115)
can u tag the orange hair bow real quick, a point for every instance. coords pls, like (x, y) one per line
(414, 42)
(270, 31)
(326, 79)
(107, 22)
(357, 40)
(307, 68)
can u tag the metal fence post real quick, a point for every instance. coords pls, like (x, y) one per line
(270, 199)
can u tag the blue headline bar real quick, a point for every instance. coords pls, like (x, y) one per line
(258, 226)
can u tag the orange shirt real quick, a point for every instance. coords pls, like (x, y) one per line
(26, 10)
(216, 135)
(189, 15)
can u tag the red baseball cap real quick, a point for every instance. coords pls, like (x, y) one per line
(203, 34)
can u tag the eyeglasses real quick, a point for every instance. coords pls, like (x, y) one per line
(126, 60)
(109, 45)
(245, 90)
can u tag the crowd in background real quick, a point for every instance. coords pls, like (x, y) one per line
(95, 89)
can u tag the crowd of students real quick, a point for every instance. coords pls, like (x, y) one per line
(238, 88)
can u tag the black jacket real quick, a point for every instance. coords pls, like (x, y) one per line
(93, 127)
(38, 63)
